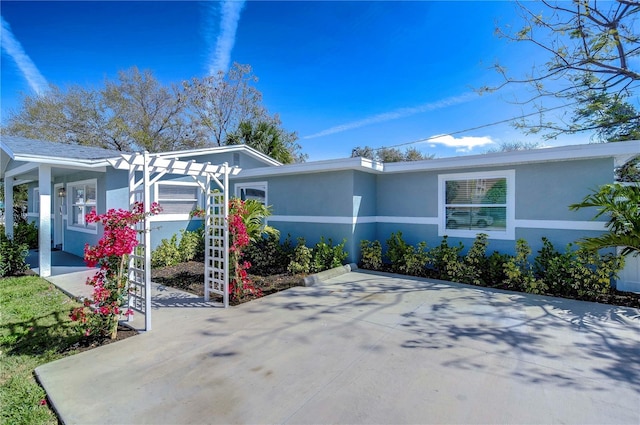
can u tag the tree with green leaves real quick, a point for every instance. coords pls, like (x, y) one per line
(136, 112)
(269, 138)
(592, 67)
(621, 203)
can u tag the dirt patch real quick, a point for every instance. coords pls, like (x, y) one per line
(189, 277)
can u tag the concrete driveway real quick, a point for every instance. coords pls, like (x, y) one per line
(363, 348)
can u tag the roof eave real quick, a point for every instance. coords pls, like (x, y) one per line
(357, 164)
(88, 163)
(562, 153)
(221, 149)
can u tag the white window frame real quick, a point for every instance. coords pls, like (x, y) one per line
(253, 185)
(86, 228)
(180, 216)
(508, 233)
(35, 204)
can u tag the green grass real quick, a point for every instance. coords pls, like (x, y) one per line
(34, 329)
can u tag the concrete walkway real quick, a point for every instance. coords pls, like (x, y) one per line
(364, 348)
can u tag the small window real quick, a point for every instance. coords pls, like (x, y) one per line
(257, 191)
(36, 201)
(83, 201)
(178, 198)
(477, 203)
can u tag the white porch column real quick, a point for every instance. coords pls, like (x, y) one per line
(8, 207)
(44, 226)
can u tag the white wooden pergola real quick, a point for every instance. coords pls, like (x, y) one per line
(144, 171)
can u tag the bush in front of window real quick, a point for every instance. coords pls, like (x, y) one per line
(167, 253)
(581, 274)
(191, 246)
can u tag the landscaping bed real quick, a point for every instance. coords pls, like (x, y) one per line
(189, 277)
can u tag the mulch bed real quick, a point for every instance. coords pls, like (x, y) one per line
(189, 277)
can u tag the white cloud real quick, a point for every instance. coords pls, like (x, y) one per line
(398, 113)
(14, 49)
(228, 13)
(461, 144)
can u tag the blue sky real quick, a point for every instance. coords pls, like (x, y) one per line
(340, 74)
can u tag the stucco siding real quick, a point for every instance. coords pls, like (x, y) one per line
(364, 195)
(166, 229)
(407, 194)
(544, 191)
(321, 194)
(411, 233)
(312, 232)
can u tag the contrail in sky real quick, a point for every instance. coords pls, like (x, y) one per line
(14, 49)
(229, 16)
(398, 113)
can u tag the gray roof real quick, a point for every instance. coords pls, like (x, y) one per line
(24, 146)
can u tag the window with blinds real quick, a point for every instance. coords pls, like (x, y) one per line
(472, 203)
(178, 198)
(257, 191)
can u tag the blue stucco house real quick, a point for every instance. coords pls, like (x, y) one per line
(510, 195)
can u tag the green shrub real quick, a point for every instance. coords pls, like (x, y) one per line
(325, 256)
(474, 264)
(444, 261)
(167, 253)
(581, 273)
(12, 257)
(301, 259)
(405, 258)
(371, 255)
(268, 256)
(591, 273)
(519, 272)
(191, 246)
(494, 274)
(26, 233)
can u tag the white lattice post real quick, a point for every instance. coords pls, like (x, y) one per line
(147, 243)
(225, 220)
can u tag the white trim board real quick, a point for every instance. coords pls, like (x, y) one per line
(561, 224)
(433, 221)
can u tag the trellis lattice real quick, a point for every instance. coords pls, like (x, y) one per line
(216, 269)
(144, 171)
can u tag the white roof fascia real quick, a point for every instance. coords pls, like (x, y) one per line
(361, 164)
(67, 162)
(562, 153)
(220, 149)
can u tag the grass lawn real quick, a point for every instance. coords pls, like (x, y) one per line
(34, 329)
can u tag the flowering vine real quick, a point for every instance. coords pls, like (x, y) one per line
(240, 286)
(100, 314)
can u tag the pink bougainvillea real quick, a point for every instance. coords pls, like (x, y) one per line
(100, 313)
(240, 286)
